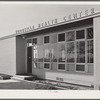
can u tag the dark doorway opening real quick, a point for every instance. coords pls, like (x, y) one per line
(29, 60)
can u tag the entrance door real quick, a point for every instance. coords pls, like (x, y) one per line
(29, 59)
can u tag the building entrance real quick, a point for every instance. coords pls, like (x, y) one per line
(29, 59)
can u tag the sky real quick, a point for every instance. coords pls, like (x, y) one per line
(15, 16)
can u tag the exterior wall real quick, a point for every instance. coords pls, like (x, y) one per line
(68, 75)
(64, 77)
(8, 56)
(97, 52)
(20, 55)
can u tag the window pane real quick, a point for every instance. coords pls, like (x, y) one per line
(35, 41)
(47, 53)
(70, 52)
(80, 34)
(46, 65)
(35, 53)
(70, 36)
(80, 67)
(90, 33)
(61, 53)
(46, 39)
(40, 50)
(61, 37)
(40, 65)
(35, 65)
(54, 53)
(54, 38)
(61, 66)
(80, 51)
(90, 51)
(29, 42)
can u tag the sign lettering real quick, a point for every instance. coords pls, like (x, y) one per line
(55, 21)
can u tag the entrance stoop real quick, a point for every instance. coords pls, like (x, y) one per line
(5, 76)
(24, 77)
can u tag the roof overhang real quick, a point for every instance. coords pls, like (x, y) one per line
(55, 25)
(62, 23)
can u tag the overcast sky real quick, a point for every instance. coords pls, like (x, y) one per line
(14, 16)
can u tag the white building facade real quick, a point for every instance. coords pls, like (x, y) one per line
(66, 52)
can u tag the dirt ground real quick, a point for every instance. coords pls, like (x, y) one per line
(16, 84)
(28, 85)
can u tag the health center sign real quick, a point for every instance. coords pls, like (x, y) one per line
(56, 21)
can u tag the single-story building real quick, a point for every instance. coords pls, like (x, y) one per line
(68, 51)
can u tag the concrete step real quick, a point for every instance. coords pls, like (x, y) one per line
(5, 76)
(23, 77)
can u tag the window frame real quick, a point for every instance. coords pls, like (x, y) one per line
(65, 42)
(87, 40)
(85, 68)
(61, 69)
(63, 32)
(49, 39)
(49, 66)
(31, 42)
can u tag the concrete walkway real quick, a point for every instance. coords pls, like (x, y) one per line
(16, 84)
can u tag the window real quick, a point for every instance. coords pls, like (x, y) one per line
(46, 39)
(54, 53)
(35, 53)
(70, 52)
(80, 34)
(46, 65)
(90, 45)
(35, 65)
(40, 65)
(29, 42)
(80, 46)
(90, 51)
(47, 53)
(61, 52)
(61, 66)
(40, 55)
(70, 36)
(34, 41)
(80, 67)
(90, 33)
(61, 37)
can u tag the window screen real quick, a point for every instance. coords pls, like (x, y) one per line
(70, 36)
(46, 39)
(61, 37)
(80, 34)
(35, 41)
(61, 66)
(46, 65)
(90, 33)
(80, 67)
